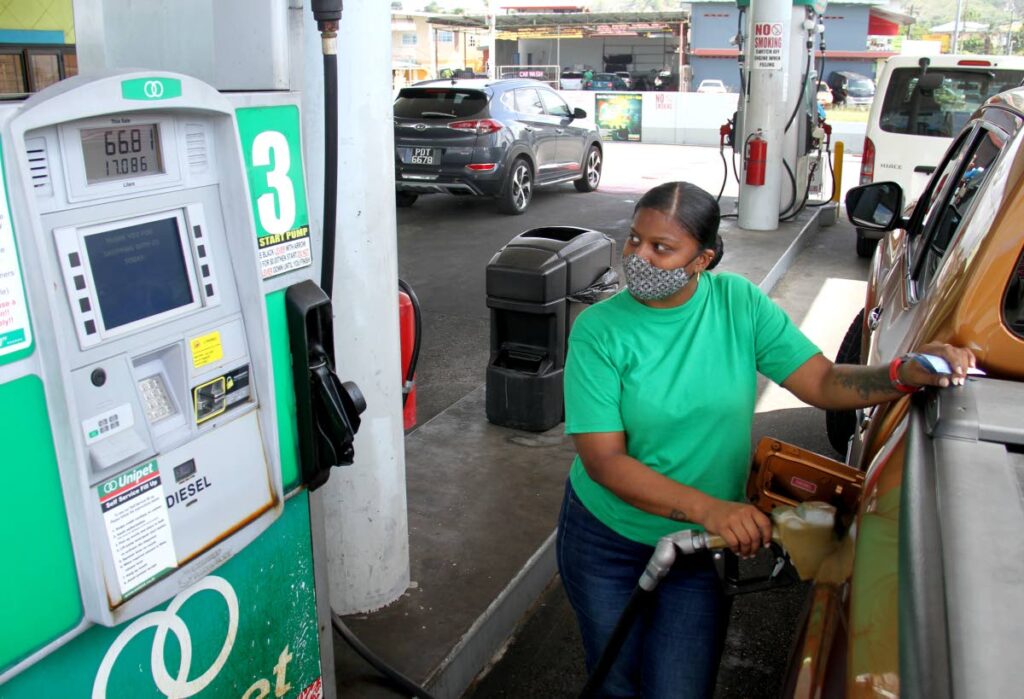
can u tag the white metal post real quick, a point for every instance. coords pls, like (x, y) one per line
(492, 41)
(956, 26)
(768, 53)
(365, 504)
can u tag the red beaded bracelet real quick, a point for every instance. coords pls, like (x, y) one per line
(894, 377)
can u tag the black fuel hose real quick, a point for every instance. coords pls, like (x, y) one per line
(803, 91)
(803, 202)
(725, 176)
(327, 14)
(637, 601)
(330, 171)
(417, 320)
(398, 679)
(793, 184)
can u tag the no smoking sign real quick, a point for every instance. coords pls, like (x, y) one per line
(767, 46)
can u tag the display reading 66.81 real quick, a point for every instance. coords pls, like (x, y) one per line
(121, 152)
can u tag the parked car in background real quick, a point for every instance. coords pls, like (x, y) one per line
(851, 89)
(605, 81)
(712, 87)
(626, 79)
(924, 598)
(666, 81)
(641, 82)
(571, 80)
(824, 95)
(923, 102)
(497, 138)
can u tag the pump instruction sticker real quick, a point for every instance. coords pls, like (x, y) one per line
(15, 330)
(767, 46)
(273, 162)
(206, 349)
(138, 528)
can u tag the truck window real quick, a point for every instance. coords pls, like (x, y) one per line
(1013, 302)
(953, 209)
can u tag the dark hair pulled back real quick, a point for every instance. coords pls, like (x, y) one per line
(692, 208)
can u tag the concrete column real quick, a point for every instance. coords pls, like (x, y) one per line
(765, 110)
(365, 505)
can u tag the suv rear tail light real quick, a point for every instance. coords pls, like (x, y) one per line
(973, 62)
(867, 162)
(481, 167)
(477, 126)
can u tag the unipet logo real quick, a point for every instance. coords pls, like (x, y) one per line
(128, 478)
(179, 686)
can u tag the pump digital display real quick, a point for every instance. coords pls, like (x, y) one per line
(139, 271)
(123, 152)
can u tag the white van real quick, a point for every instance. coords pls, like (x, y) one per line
(920, 104)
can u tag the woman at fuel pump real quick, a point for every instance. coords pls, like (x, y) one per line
(660, 385)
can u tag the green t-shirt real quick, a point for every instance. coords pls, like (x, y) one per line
(681, 383)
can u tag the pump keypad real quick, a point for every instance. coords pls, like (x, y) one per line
(156, 401)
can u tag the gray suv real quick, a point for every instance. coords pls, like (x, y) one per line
(851, 89)
(497, 138)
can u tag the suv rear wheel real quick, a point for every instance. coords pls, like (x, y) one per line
(404, 199)
(840, 424)
(518, 190)
(591, 171)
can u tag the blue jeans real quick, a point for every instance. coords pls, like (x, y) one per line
(675, 644)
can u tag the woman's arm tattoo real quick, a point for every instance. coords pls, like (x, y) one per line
(678, 516)
(868, 382)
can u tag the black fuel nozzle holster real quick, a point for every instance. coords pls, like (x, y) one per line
(327, 409)
(769, 569)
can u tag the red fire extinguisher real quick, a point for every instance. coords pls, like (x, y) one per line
(408, 330)
(755, 158)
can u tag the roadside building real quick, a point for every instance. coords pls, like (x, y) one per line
(424, 46)
(37, 45)
(976, 33)
(860, 35)
(691, 45)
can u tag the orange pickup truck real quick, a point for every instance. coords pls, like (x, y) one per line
(932, 604)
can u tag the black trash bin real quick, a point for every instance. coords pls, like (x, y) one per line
(536, 285)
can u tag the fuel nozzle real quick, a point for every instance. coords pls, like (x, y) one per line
(325, 11)
(327, 14)
(724, 132)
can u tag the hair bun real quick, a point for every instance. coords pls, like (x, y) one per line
(719, 251)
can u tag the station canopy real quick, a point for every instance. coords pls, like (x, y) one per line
(571, 25)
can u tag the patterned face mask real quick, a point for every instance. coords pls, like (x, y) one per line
(649, 283)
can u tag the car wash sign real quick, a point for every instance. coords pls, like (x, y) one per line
(767, 46)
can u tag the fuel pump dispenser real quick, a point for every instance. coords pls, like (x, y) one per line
(776, 114)
(141, 394)
(152, 236)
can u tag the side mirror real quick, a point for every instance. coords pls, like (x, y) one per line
(579, 113)
(875, 206)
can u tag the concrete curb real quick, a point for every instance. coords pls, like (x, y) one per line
(493, 629)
